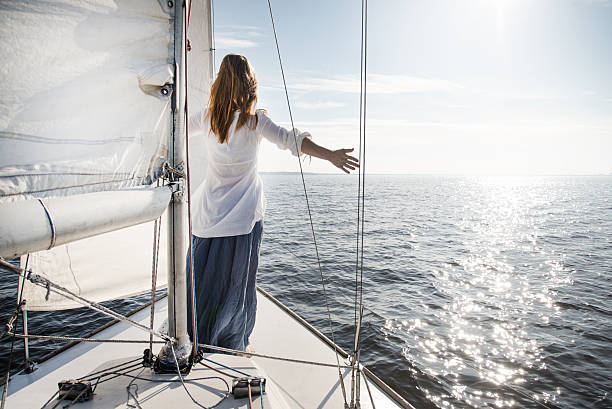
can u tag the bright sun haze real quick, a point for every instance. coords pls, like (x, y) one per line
(471, 87)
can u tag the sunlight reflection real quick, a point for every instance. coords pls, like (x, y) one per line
(493, 293)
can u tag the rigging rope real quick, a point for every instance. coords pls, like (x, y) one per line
(330, 283)
(387, 319)
(178, 372)
(227, 367)
(217, 370)
(367, 384)
(81, 339)
(10, 361)
(156, 234)
(52, 287)
(194, 322)
(141, 341)
(314, 238)
(212, 34)
(355, 373)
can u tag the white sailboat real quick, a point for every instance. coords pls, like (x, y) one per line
(93, 161)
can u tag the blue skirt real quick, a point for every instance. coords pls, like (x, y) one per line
(225, 277)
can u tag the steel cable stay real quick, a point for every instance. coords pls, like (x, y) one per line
(314, 238)
(141, 341)
(358, 301)
(64, 292)
(60, 338)
(331, 283)
(194, 320)
(358, 313)
(359, 307)
(154, 262)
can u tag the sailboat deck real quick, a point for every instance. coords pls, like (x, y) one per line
(277, 332)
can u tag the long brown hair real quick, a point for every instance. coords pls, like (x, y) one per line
(234, 89)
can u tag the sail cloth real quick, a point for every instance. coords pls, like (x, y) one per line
(101, 268)
(85, 104)
(84, 109)
(200, 77)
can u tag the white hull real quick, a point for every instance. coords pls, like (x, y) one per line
(277, 332)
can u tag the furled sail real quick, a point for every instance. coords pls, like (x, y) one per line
(87, 107)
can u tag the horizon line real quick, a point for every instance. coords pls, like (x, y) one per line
(441, 174)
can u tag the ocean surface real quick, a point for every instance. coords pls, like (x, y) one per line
(478, 291)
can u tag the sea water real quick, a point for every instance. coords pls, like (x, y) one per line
(478, 291)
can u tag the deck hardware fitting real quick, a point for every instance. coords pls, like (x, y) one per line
(75, 390)
(240, 386)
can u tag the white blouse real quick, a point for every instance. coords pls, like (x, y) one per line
(230, 200)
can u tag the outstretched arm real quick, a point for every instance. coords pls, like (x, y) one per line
(338, 158)
(291, 140)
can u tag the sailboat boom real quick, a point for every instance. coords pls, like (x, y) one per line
(40, 224)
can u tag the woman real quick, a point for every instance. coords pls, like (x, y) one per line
(228, 207)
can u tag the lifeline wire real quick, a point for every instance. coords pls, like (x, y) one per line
(78, 339)
(142, 341)
(314, 238)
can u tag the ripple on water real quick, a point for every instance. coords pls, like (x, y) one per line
(479, 292)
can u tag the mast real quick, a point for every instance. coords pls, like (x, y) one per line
(177, 216)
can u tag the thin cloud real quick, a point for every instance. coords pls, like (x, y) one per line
(319, 105)
(234, 36)
(226, 41)
(376, 84)
(238, 27)
(348, 125)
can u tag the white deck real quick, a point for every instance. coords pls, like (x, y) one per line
(289, 385)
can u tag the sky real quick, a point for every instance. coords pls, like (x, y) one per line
(454, 87)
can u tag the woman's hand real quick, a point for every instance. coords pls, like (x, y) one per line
(338, 158)
(341, 160)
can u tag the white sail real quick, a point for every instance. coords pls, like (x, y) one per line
(85, 104)
(101, 268)
(87, 107)
(200, 76)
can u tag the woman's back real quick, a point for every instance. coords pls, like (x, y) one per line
(228, 206)
(230, 200)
